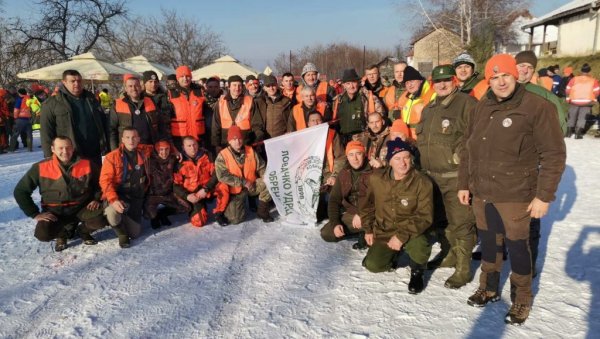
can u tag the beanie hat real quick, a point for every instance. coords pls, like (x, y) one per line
(586, 68)
(309, 67)
(172, 77)
(22, 91)
(355, 145)
(568, 71)
(528, 57)
(129, 76)
(235, 78)
(464, 58)
(234, 132)
(396, 146)
(162, 143)
(542, 72)
(501, 63)
(410, 73)
(270, 80)
(149, 75)
(183, 71)
(399, 126)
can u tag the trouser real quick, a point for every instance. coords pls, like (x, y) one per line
(327, 230)
(170, 201)
(235, 211)
(199, 215)
(49, 230)
(509, 223)
(128, 223)
(22, 127)
(3, 137)
(380, 258)
(578, 115)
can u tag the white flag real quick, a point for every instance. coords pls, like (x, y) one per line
(294, 172)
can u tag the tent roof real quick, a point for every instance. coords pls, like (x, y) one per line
(141, 64)
(224, 67)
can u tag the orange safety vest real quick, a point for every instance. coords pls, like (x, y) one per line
(52, 184)
(545, 82)
(321, 92)
(581, 91)
(246, 171)
(393, 103)
(24, 111)
(329, 149)
(189, 118)
(242, 120)
(411, 114)
(479, 90)
(298, 113)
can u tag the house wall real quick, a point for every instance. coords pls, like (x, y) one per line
(439, 47)
(576, 35)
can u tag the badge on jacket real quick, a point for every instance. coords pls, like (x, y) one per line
(195, 103)
(445, 125)
(404, 202)
(507, 122)
(137, 112)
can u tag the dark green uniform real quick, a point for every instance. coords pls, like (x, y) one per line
(403, 208)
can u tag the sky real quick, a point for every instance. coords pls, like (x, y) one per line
(255, 32)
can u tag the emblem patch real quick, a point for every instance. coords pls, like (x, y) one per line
(137, 112)
(507, 122)
(404, 202)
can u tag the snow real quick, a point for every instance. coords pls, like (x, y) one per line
(258, 280)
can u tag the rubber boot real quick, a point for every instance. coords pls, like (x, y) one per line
(362, 243)
(462, 272)
(122, 235)
(570, 131)
(579, 133)
(262, 211)
(445, 258)
(86, 237)
(416, 283)
(29, 145)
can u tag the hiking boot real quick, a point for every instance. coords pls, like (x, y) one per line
(88, 239)
(517, 314)
(61, 244)
(361, 244)
(252, 204)
(481, 297)
(263, 211)
(221, 219)
(579, 133)
(124, 241)
(416, 283)
(164, 218)
(570, 131)
(155, 223)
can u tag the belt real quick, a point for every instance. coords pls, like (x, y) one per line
(453, 174)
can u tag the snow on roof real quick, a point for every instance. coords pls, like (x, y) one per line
(572, 7)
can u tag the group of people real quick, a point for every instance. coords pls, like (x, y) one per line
(19, 116)
(447, 159)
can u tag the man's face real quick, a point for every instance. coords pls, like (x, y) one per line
(412, 86)
(309, 98)
(213, 89)
(314, 120)
(184, 81)
(151, 86)
(63, 149)
(133, 88)
(130, 140)
(351, 87)
(526, 71)
(236, 144)
(444, 87)
(310, 78)
(401, 163)
(372, 75)
(252, 87)
(235, 89)
(399, 72)
(375, 122)
(287, 82)
(190, 147)
(271, 90)
(355, 158)
(171, 84)
(164, 151)
(464, 72)
(503, 85)
(73, 84)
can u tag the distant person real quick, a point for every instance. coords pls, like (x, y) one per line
(287, 87)
(22, 116)
(582, 93)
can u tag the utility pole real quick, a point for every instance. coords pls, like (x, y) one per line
(290, 61)
(364, 56)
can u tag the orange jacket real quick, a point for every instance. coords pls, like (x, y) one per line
(112, 173)
(194, 174)
(391, 102)
(321, 92)
(23, 111)
(188, 119)
(582, 90)
(480, 89)
(242, 120)
(246, 171)
(546, 82)
(329, 150)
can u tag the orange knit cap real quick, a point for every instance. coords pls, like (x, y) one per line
(234, 132)
(183, 71)
(501, 63)
(162, 143)
(129, 76)
(400, 126)
(355, 145)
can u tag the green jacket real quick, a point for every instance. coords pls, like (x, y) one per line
(441, 129)
(397, 207)
(560, 104)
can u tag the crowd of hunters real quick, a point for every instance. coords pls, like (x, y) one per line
(471, 154)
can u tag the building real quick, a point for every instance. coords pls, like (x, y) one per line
(436, 47)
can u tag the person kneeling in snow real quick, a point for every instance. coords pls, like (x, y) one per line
(195, 181)
(161, 171)
(242, 169)
(70, 194)
(396, 212)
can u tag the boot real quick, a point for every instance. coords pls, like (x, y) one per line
(570, 131)
(86, 237)
(155, 223)
(482, 297)
(252, 204)
(29, 145)
(221, 219)
(462, 273)
(445, 258)
(361, 244)
(163, 215)
(263, 211)
(61, 244)
(517, 314)
(579, 133)
(416, 284)
(124, 241)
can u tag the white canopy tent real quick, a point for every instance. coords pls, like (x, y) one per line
(224, 67)
(141, 64)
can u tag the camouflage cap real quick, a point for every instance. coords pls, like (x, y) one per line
(443, 72)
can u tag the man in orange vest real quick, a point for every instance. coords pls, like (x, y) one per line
(124, 181)
(287, 87)
(253, 88)
(189, 107)
(22, 125)
(418, 94)
(308, 104)
(70, 194)
(393, 96)
(310, 78)
(374, 83)
(195, 182)
(582, 92)
(242, 169)
(236, 109)
(136, 110)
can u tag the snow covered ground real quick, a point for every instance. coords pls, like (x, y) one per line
(258, 280)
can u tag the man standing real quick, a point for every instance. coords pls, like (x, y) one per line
(582, 93)
(512, 163)
(440, 139)
(124, 181)
(74, 112)
(418, 94)
(22, 115)
(287, 87)
(275, 110)
(307, 105)
(70, 194)
(468, 78)
(211, 95)
(253, 88)
(374, 83)
(395, 213)
(393, 99)
(310, 78)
